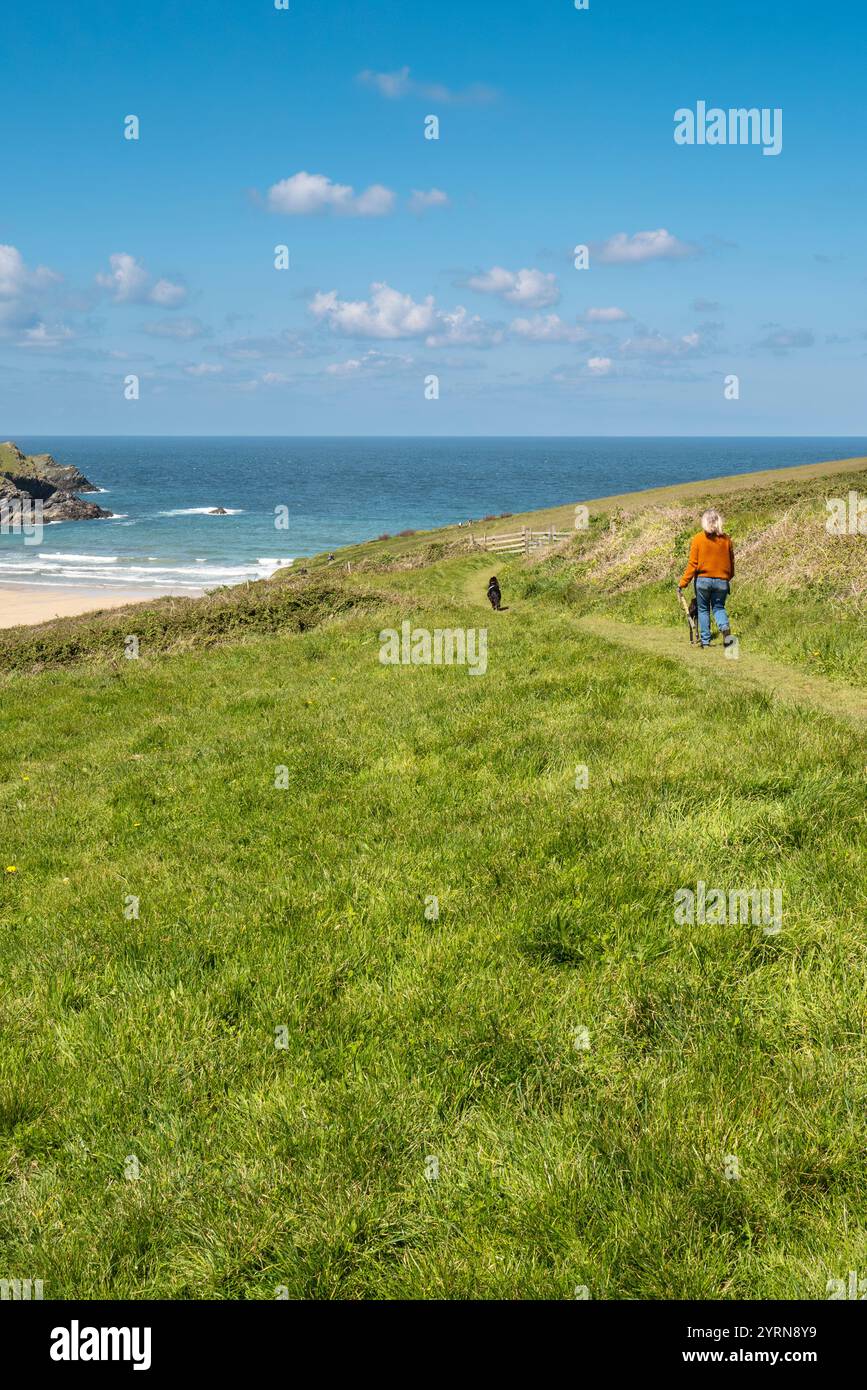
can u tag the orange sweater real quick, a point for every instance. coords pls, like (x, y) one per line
(709, 555)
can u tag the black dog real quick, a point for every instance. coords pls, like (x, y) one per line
(693, 620)
(691, 611)
(494, 593)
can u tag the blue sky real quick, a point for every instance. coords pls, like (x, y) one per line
(411, 257)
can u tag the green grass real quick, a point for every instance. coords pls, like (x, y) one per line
(407, 1039)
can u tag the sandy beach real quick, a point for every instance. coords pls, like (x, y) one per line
(26, 604)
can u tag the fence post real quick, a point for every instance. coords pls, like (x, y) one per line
(526, 541)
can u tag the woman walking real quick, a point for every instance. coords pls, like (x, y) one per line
(712, 565)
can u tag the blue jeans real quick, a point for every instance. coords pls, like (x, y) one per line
(711, 593)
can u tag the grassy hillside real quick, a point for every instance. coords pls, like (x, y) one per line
(154, 1141)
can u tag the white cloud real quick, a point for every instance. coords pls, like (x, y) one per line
(532, 289)
(304, 195)
(285, 344)
(612, 315)
(167, 294)
(375, 201)
(41, 336)
(369, 363)
(548, 328)
(622, 249)
(386, 314)
(127, 280)
(461, 328)
(600, 366)
(781, 340)
(24, 298)
(656, 345)
(389, 314)
(433, 198)
(129, 283)
(204, 369)
(16, 280)
(388, 84)
(394, 85)
(182, 330)
(350, 367)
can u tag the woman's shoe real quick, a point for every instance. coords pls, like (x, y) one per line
(726, 635)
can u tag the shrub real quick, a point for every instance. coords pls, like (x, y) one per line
(177, 624)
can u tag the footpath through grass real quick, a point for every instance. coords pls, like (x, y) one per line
(746, 669)
(285, 1071)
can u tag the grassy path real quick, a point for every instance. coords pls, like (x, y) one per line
(750, 671)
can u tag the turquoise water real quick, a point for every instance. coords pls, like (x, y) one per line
(336, 491)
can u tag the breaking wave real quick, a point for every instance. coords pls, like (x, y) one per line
(115, 571)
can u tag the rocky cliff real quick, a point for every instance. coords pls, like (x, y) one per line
(37, 478)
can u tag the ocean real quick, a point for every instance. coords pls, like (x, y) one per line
(336, 491)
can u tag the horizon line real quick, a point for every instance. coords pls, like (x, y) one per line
(427, 437)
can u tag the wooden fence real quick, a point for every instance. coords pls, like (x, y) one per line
(520, 542)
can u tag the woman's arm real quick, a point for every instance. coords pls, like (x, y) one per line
(691, 564)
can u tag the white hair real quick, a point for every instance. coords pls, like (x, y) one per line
(712, 522)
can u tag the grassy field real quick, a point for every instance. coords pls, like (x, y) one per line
(244, 1053)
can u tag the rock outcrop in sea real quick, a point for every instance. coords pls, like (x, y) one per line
(38, 478)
